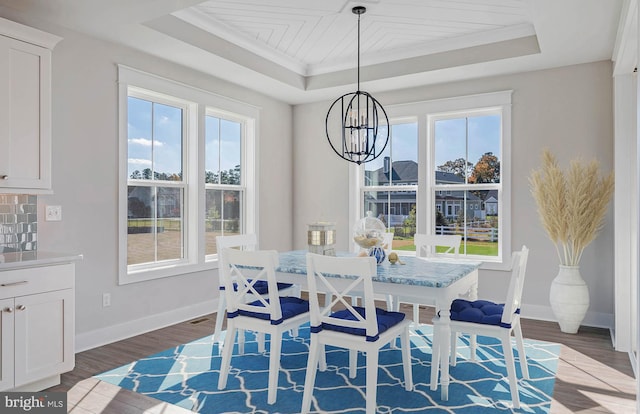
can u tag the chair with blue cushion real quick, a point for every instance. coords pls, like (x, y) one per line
(245, 242)
(426, 245)
(355, 328)
(270, 314)
(498, 320)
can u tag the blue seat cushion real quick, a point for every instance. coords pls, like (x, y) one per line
(262, 286)
(478, 311)
(289, 307)
(386, 320)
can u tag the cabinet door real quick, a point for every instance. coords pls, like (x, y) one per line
(25, 101)
(44, 329)
(6, 344)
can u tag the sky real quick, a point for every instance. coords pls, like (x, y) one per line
(484, 136)
(154, 139)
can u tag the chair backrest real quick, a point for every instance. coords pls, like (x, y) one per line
(244, 241)
(244, 269)
(514, 293)
(426, 244)
(322, 274)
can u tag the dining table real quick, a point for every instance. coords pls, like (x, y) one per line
(434, 280)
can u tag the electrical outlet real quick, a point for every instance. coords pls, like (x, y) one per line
(53, 213)
(106, 300)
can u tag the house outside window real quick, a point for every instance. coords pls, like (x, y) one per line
(467, 148)
(462, 169)
(389, 189)
(187, 175)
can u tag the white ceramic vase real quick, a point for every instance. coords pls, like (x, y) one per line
(569, 297)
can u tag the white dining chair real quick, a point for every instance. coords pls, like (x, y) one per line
(426, 246)
(271, 314)
(246, 242)
(355, 328)
(483, 317)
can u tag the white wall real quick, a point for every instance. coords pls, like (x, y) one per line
(85, 182)
(568, 110)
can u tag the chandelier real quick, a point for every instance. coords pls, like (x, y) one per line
(359, 114)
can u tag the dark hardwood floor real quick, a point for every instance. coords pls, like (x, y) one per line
(592, 377)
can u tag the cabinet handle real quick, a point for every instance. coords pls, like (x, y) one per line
(4, 177)
(22, 282)
(21, 307)
(8, 310)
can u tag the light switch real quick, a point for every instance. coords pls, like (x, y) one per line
(53, 213)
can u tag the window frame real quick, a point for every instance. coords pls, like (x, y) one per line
(247, 158)
(199, 102)
(155, 97)
(466, 187)
(425, 213)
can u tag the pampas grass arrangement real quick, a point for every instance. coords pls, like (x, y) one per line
(571, 206)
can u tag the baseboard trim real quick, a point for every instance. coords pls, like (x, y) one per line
(110, 334)
(544, 313)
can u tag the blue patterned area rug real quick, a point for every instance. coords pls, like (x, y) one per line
(187, 376)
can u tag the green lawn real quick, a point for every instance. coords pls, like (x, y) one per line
(473, 248)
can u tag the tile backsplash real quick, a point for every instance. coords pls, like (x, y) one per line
(18, 222)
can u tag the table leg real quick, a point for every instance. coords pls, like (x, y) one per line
(444, 343)
(435, 355)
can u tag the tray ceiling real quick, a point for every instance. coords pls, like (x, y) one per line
(306, 50)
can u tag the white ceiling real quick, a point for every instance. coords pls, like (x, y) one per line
(305, 50)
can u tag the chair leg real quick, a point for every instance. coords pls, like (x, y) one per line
(453, 357)
(521, 354)
(372, 381)
(260, 338)
(473, 344)
(241, 339)
(353, 362)
(416, 315)
(406, 360)
(511, 368)
(274, 366)
(310, 378)
(217, 331)
(227, 351)
(323, 358)
(297, 292)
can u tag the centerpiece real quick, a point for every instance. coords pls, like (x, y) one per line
(368, 233)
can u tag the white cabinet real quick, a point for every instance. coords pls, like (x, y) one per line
(37, 326)
(25, 108)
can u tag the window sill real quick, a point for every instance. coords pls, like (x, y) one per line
(161, 272)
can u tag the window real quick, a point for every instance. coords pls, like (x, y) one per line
(155, 185)
(173, 200)
(224, 197)
(466, 162)
(389, 189)
(459, 150)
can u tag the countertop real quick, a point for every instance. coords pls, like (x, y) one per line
(19, 260)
